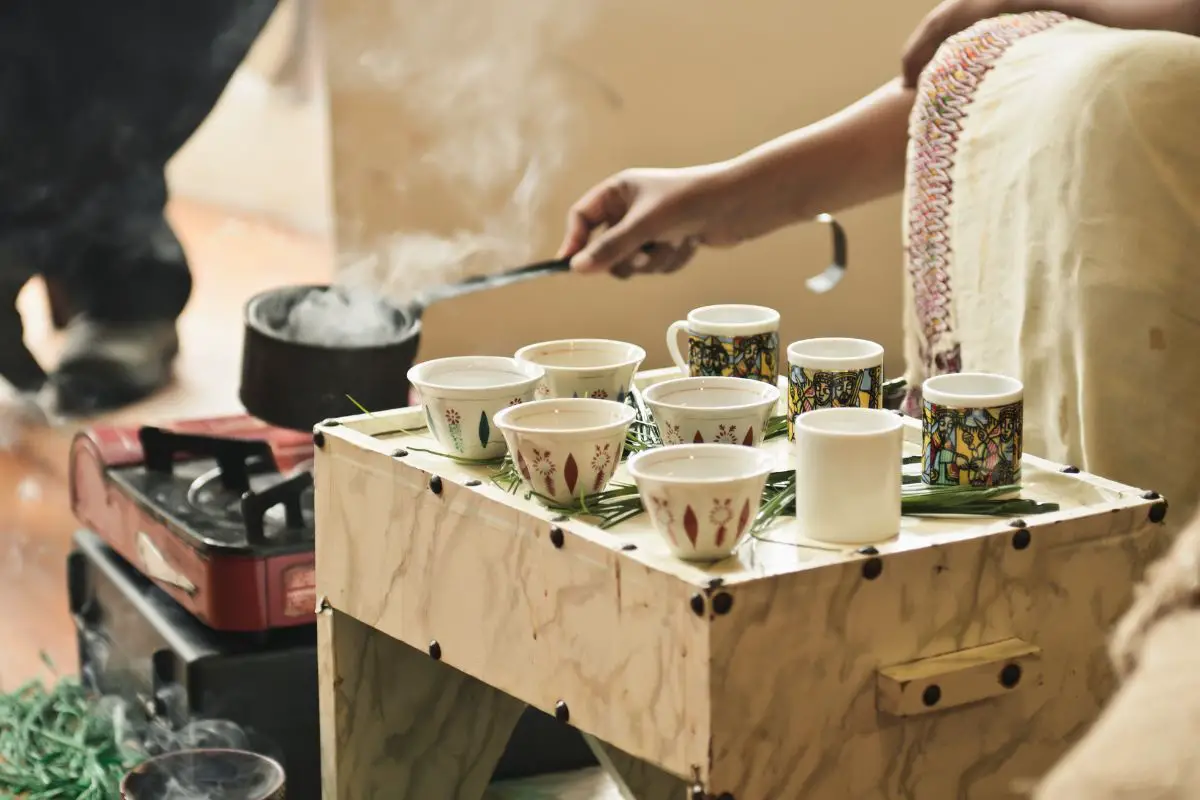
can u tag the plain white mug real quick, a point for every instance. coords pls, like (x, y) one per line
(848, 474)
(728, 341)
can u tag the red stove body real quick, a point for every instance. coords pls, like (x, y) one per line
(218, 513)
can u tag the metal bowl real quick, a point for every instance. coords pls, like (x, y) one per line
(206, 773)
(296, 385)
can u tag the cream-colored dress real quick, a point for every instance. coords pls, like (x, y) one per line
(1053, 221)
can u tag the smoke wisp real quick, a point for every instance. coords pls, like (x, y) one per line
(489, 123)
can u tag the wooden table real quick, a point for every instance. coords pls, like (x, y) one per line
(952, 662)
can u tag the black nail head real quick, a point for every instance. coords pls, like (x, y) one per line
(869, 551)
(1018, 523)
(435, 650)
(698, 792)
(1021, 539)
(716, 583)
(1010, 676)
(1149, 495)
(561, 712)
(556, 536)
(1071, 470)
(560, 518)
(628, 547)
(473, 482)
(698, 605)
(722, 603)
(1158, 511)
(872, 568)
(401, 453)
(932, 695)
(319, 439)
(435, 484)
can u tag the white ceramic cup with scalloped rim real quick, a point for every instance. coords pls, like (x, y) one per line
(461, 394)
(566, 448)
(602, 369)
(702, 498)
(711, 410)
(848, 475)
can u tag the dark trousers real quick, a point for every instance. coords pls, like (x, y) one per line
(95, 97)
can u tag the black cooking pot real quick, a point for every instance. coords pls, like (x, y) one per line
(206, 773)
(297, 384)
(294, 384)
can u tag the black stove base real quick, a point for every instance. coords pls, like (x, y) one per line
(138, 643)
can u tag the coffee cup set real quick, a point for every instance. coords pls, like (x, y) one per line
(559, 410)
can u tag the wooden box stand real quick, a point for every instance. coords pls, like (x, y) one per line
(956, 661)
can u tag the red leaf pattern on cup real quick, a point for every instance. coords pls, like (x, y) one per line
(726, 435)
(749, 440)
(691, 526)
(522, 466)
(743, 518)
(697, 439)
(570, 473)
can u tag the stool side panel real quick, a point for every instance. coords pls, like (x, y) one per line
(616, 641)
(795, 663)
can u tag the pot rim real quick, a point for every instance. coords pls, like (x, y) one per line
(254, 322)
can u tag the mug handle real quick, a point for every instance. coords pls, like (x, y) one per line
(677, 356)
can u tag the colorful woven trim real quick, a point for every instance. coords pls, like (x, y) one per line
(945, 91)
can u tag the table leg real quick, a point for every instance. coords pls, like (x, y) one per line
(396, 723)
(637, 779)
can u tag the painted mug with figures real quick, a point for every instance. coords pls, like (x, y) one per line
(728, 341)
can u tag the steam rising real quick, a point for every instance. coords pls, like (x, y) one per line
(154, 737)
(491, 118)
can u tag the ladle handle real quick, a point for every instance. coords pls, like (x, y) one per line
(479, 282)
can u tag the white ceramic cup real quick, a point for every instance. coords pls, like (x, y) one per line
(702, 498)
(833, 373)
(711, 410)
(848, 478)
(602, 369)
(972, 430)
(461, 395)
(568, 448)
(729, 341)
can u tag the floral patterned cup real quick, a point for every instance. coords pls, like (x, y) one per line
(971, 430)
(731, 341)
(463, 393)
(702, 498)
(711, 410)
(567, 448)
(833, 373)
(602, 369)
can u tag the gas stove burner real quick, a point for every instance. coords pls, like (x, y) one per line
(219, 513)
(208, 495)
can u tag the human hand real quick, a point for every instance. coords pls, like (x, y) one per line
(645, 221)
(948, 18)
